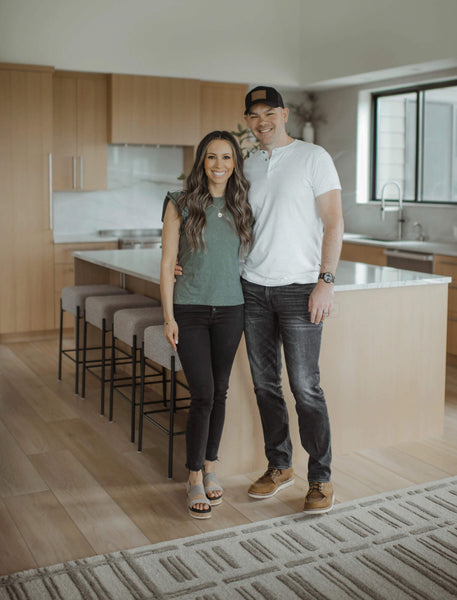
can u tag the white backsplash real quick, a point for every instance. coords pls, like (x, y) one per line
(138, 180)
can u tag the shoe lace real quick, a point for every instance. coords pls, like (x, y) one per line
(317, 486)
(271, 474)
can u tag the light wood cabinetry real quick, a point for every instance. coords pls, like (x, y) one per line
(447, 265)
(26, 250)
(373, 255)
(80, 131)
(153, 110)
(64, 272)
(221, 106)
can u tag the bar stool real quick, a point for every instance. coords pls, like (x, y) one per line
(73, 301)
(128, 327)
(100, 312)
(157, 349)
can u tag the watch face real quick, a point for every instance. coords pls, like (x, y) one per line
(327, 277)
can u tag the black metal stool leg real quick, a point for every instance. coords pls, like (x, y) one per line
(133, 393)
(111, 383)
(164, 386)
(102, 390)
(83, 374)
(140, 420)
(60, 341)
(172, 417)
(77, 319)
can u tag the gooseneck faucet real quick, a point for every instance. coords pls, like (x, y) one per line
(384, 209)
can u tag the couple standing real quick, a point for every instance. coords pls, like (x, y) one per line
(289, 236)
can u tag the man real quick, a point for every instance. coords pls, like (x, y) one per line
(288, 280)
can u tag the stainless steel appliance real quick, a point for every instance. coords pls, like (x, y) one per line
(135, 238)
(411, 261)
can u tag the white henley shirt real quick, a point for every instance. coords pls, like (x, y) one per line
(288, 231)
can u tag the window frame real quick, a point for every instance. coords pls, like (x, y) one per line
(419, 90)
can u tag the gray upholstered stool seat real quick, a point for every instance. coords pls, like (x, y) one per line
(100, 312)
(102, 308)
(128, 327)
(75, 295)
(131, 322)
(157, 349)
(73, 301)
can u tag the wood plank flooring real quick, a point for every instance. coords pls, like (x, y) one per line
(72, 484)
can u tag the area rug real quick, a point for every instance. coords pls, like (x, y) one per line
(386, 547)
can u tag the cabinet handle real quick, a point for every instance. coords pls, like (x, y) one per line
(447, 262)
(51, 203)
(74, 172)
(81, 172)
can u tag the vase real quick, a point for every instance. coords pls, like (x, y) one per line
(308, 132)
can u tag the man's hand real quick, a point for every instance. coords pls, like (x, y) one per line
(321, 301)
(178, 270)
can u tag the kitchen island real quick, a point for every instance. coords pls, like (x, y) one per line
(382, 361)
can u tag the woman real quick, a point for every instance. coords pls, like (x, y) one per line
(208, 226)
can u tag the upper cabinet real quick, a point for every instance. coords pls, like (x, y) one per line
(154, 110)
(80, 131)
(221, 106)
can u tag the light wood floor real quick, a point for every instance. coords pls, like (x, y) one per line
(72, 485)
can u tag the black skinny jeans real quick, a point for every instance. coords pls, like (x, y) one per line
(208, 340)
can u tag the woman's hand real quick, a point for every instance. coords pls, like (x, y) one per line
(170, 331)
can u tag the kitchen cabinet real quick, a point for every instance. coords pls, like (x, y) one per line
(373, 255)
(64, 272)
(26, 247)
(447, 265)
(153, 110)
(221, 106)
(80, 131)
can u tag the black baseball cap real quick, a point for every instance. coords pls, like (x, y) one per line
(263, 95)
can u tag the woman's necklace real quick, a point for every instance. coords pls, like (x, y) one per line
(220, 214)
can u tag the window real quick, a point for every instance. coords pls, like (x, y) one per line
(415, 143)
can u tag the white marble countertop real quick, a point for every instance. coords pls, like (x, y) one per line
(145, 264)
(428, 247)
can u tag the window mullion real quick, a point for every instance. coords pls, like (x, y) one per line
(419, 146)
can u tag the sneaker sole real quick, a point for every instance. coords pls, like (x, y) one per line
(281, 486)
(319, 511)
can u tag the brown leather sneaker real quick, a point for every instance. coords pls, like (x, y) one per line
(320, 497)
(271, 482)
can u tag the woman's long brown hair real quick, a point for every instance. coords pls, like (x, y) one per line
(196, 197)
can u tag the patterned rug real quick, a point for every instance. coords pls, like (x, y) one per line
(386, 547)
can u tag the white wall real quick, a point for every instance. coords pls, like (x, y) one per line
(289, 43)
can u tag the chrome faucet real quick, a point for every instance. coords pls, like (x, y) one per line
(385, 208)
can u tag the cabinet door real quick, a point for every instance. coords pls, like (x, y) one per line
(26, 250)
(92, 133)
(80, 132)
(65, 147)
(372, 255)
(221, 106)
(447, 265)
(154, 110)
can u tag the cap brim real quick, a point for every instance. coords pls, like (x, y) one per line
(267, 102)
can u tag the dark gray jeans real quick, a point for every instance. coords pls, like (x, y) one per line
(280, 314)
